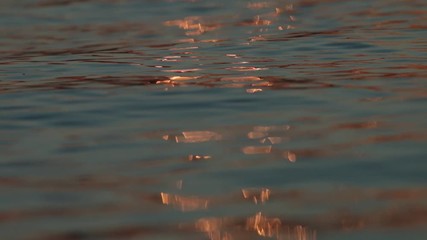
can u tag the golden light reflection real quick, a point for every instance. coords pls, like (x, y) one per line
(263, 226)
(272, 140)
(258, 195)
(287, 8)
(192, 157)
(193, 25)
(209, 224)
(275, 140)
(262, 84)
(256, 134)
(184, 203)
(302, 233)
(227, 228)
(257, 38)
(256, 149)
(186, 40)
(169, 82)
(232, 55)
(181, 78)
(273, 228)
(193, 137)
(174, 80)
(170, 59)
(200, 136)
(213, 228)
(211, 40)
(259, 21)
(291, 156)
(262, 133)
(253, 90)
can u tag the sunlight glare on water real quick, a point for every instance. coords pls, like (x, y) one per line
(219, 120)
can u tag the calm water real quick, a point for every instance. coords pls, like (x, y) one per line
(218, 120)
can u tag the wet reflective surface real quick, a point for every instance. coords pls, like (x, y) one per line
(216, 120)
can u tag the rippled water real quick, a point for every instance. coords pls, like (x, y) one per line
(219, 120)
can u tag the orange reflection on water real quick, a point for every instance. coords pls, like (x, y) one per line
(181, 78)
(266, 227)
(275, 140)
(184, 203)
(259, 21)
(273, 228)
(194, 137)
(213, 228)
(258, 195)
(200, 136)
(253, 90)
(256, 134)
(256, 149)
(302, 233)
(272, 140)
(192, 157)
(262, 84)
(291, 156)
(245, 228)
(193, 25)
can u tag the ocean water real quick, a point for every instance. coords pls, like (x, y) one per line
(217, 120)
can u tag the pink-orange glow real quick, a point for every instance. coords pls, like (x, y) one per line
(258, 195)
(256, 149)
(184, 203)
(192, 157)
(263, 226)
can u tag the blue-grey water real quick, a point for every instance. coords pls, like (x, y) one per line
(218, 120)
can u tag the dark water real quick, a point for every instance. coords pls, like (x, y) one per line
(218, 120)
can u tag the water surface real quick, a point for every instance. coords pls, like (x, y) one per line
(213, 120)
